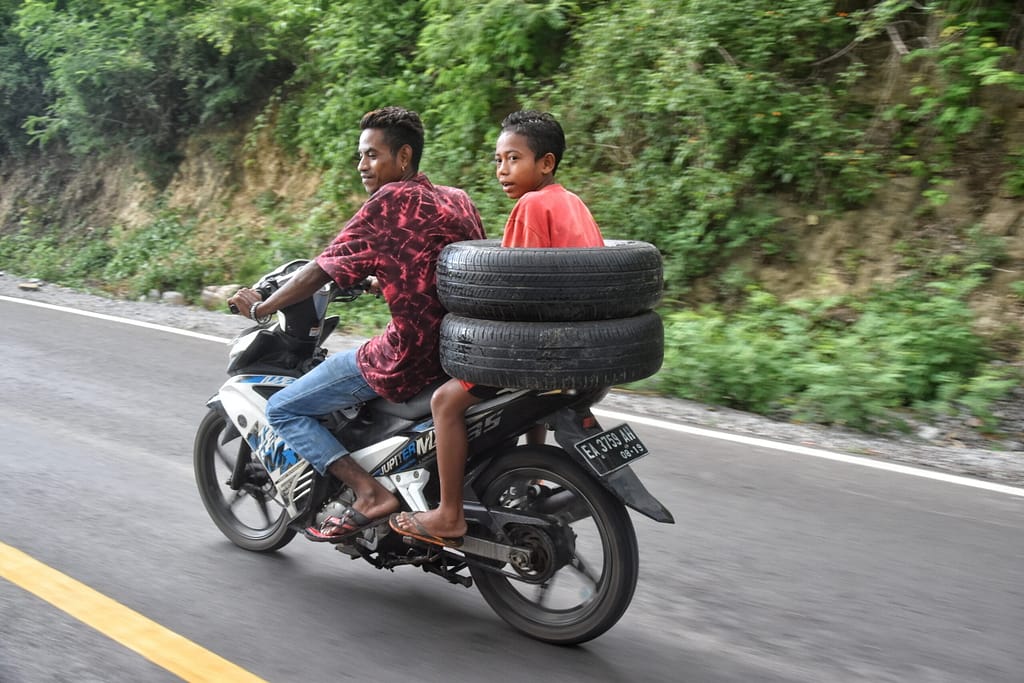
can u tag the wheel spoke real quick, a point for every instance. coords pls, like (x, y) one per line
(584, 569)
(225, 457)
(239, 496)
(544, 594)
(565, 505)
(262, 506)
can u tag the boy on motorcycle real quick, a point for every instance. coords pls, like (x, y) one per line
(395, 237)
(526, 156)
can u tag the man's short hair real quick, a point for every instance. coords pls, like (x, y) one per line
(542, 132)
(400, 127)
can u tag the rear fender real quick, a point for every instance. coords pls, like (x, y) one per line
(572, 425)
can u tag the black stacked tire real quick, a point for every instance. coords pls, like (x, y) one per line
(566, 355)
(481, 279)
(567, 318)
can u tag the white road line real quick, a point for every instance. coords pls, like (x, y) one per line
(115, 319)
(636, 419)
(813, 452)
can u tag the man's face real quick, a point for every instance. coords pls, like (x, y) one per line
(377, 164)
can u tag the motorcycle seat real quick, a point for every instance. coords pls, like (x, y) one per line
(416, 407)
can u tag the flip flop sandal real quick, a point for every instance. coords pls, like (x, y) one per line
(341, 528)
(421, 534)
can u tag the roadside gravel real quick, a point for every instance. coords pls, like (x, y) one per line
(952, 446)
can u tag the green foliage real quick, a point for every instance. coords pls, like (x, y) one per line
(697, 111)
(958, 50)
(31, 252)
(105, 69)
(910, 347)
(1013, 179)
(502, 48)
(965, 61)
(140, 75)
(993, 383)
(160, 256)
(744, 360)
(21, 85)
(355, 62)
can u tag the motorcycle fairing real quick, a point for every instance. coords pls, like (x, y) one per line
(243, 399)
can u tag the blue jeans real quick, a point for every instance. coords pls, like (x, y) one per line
(333, 385)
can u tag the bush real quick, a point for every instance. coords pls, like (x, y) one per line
(906, 348)
(159, 256)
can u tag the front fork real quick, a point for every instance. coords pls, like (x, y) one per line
(230, 432)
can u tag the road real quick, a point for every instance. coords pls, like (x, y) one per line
(780, 567)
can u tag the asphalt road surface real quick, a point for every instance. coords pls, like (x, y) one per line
(780, 567)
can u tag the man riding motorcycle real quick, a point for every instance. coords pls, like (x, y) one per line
(395, 237)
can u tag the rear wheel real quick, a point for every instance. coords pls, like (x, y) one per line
(581, 577)
(249, 517)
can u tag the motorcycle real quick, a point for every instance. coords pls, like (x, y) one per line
(550, 546)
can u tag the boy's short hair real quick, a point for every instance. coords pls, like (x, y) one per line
(400, 127)
(542, 132)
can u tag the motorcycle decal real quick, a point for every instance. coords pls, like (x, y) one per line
(408, 456)
(401, 460)
(479, 426)
(423, 445)
(276, 455)
(279, 380)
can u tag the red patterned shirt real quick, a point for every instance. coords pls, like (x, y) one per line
(396, 237)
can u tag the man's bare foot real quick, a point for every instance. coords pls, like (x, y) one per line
(352, 521)
(376, 507)
(372, 499)
(433, 523)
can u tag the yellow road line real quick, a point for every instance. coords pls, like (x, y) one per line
(159, 645)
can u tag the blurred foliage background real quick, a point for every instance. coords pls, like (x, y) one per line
(691, 124)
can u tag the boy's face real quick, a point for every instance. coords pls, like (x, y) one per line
(518, 170)
(377, 164)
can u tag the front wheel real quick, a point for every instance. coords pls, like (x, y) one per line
(248, 516)
(582, 577)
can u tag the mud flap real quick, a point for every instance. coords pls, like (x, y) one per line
(572, 426)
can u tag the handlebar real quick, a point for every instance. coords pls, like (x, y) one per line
(339, 294)
(264, 291)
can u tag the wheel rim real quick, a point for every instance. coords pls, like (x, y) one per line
(251, 513)
(555, 596)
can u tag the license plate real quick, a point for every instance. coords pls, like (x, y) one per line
(612, 449)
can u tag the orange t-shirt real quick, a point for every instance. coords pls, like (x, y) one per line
(551, 217)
